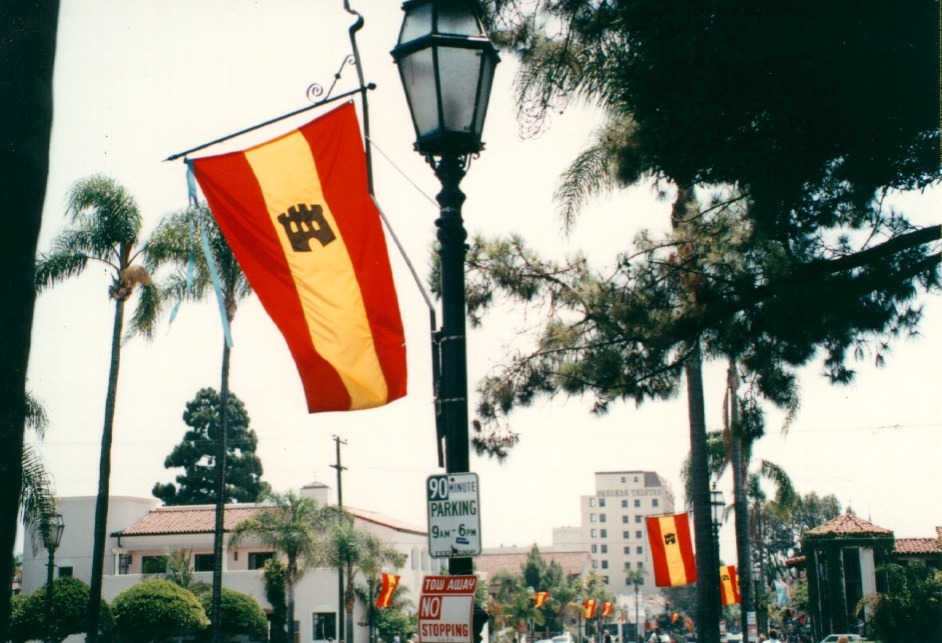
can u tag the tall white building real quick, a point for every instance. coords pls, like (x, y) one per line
(613, 526)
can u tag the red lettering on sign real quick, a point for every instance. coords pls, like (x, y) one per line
(430, 607)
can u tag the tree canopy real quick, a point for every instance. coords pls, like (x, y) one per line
(196, 454)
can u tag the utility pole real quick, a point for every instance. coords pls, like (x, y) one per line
(340, 604)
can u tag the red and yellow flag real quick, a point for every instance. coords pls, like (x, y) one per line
(729, 585)
(672, 550)
(588, 607)
(539, 598)
(299, 218)
(607, 608)
(390, 583)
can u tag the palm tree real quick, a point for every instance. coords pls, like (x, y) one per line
(38, 501)
(105, 224)
(176, 242)
(636, 578)
(294, 526)
(352, 551)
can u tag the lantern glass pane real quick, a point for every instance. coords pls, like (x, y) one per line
(418, 79)
(417, 23)
(457, 18)
(459, 69)
(487, 79)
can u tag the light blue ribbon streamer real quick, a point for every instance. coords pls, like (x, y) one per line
(191, 183)
(190, 277)
(215, 277)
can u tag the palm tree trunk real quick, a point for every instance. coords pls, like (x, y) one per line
(221, 452)
(291, 578)
(104, 477)
(349, 604)
(743, 549)
(26, 66)
(708, 577)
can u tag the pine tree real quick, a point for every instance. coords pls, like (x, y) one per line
(196, 454)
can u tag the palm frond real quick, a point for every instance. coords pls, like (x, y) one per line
(146, 313)
(57, 267)
(107, 210)
(36, 418)
(38, 501)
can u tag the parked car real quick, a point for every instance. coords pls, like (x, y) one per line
(832, 638)
(565, 637)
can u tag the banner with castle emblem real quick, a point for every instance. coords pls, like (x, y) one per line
(671, 550)
(299, 218)
(729, 586)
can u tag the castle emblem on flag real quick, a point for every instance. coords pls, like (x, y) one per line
(670, 539)
(304, 222)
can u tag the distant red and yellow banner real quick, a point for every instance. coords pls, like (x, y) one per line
(729, 586)
(607, 608)
(390, 583)
(299, 218)
(539, 598)
(588, 607)
(672, 550)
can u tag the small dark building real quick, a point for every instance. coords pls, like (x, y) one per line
(841, 558)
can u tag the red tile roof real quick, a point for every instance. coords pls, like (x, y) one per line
(917, 546)
(848, 524)
(572, 562)
(201, 519)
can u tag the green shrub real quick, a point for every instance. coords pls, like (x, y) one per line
(156, 609)
(241, 614)
(69, 606)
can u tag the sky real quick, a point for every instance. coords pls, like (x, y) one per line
(138, 82)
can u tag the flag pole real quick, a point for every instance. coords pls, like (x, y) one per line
(222, 139)
(433, 323)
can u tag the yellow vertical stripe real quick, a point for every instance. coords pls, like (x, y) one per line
(325, 280)
(675, 558)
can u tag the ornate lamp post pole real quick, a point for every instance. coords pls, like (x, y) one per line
(446, 63)
(717, 504)
(52, 537)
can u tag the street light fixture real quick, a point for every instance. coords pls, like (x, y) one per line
(446, 63)
(717, 505)
(52, 537)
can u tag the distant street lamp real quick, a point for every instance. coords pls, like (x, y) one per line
(717, 505)
(52, 537)
(446, 63)
(757, 579)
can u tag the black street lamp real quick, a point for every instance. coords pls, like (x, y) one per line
(757, 579)
(717, 505)
(446, 63)
(52, 537)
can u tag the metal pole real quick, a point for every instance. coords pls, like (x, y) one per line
(451, 236)
(49, 582)
(341, 607)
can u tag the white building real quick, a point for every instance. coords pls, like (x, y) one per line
(613, 525)
(138, 530)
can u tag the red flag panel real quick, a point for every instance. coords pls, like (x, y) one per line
(390, 582)
(299, 218)
(672, 550)
(729, 585)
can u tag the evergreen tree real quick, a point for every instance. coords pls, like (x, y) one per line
(197, 452)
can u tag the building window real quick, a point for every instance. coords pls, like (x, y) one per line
(65, 572)
(637, 502)
(601, 517)
(595, 564)
(624, 518)
(639, 550)
(594, 533)
(639, 565)
(591, 502)
(605, 579)
(626, 535)
(624, 503)
(627, 551)
(638, 518)
(654, 502)
(592, 518)
(604, 549)
(153, 564)
(636, 478)
(257, 559)
(323, 626)
(601, 502)
(604, 564)
(124, 564)
(203, 563)
(603, 534)
(595, 549)
(639, 534)
(627, 565)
